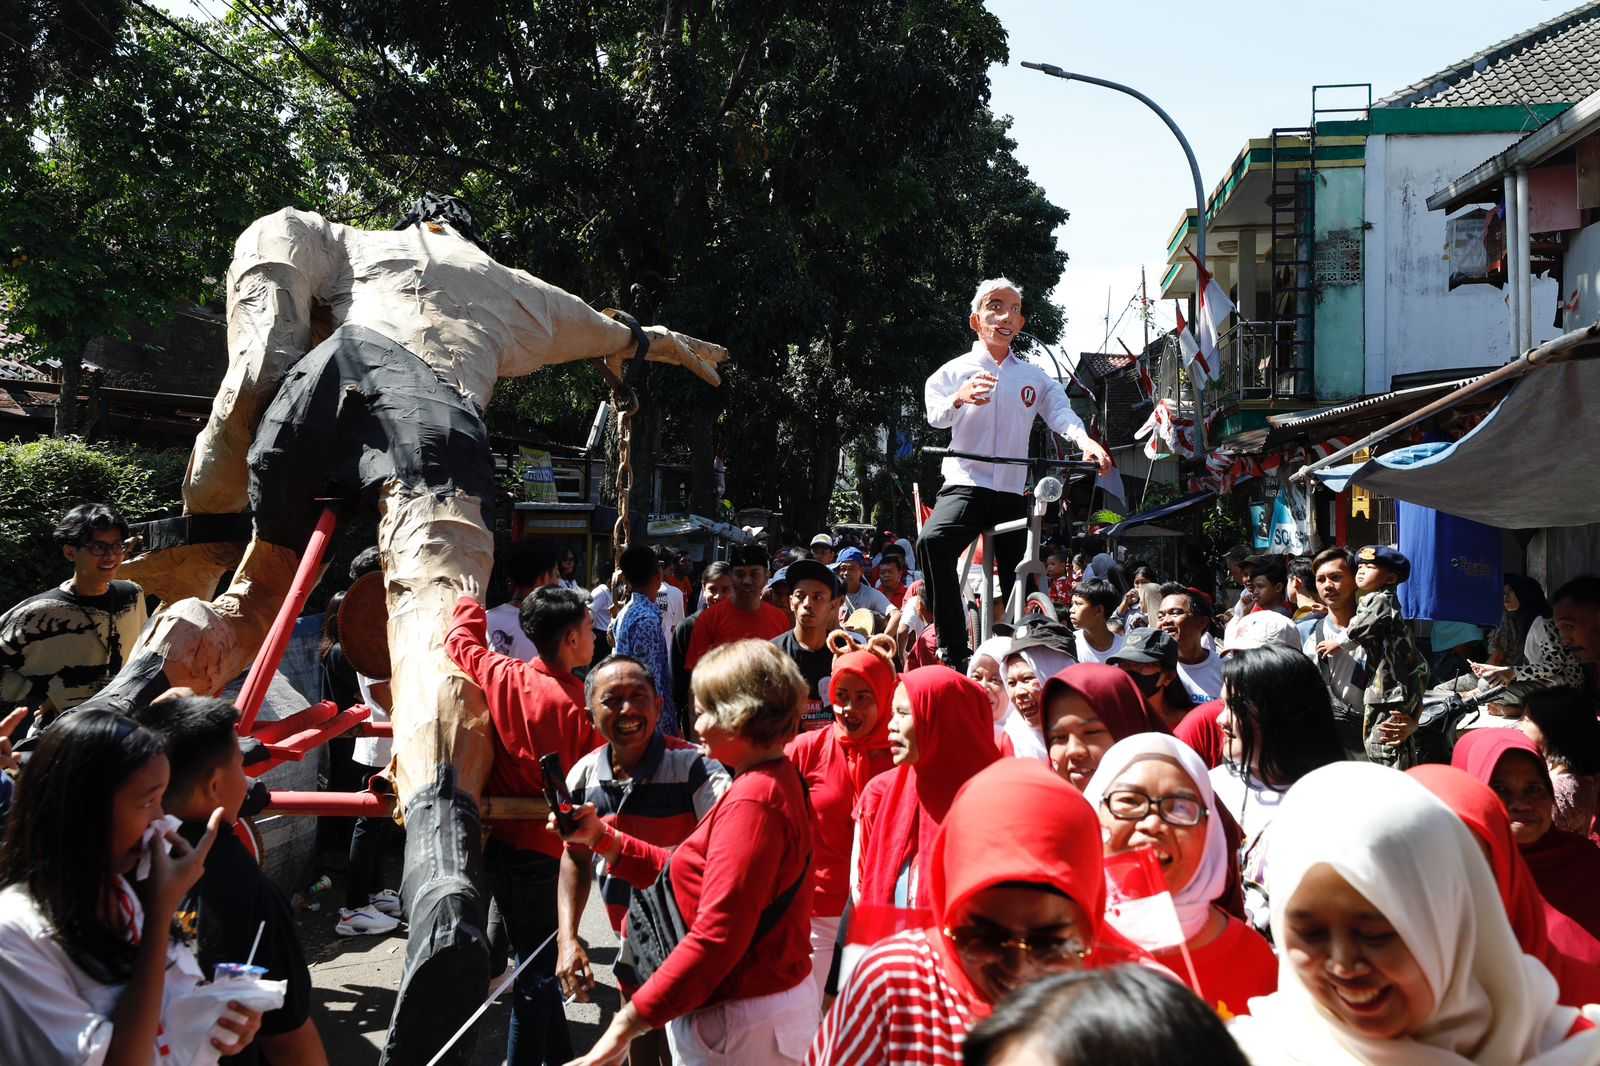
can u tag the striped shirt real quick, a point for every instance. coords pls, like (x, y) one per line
(672, 788)
(898, 1008)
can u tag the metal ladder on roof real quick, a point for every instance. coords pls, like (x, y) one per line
(1292, 251)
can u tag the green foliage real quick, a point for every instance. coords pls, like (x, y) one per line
(1222, 529)
(818, 187)
(41, 480)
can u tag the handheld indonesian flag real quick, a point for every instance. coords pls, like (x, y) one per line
(1215, 307)
(1190, 349)
(1111, 481)
(1140, 907)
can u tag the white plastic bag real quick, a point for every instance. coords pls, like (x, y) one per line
(191, 1017)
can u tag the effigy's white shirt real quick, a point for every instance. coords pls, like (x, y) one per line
(1002, 426)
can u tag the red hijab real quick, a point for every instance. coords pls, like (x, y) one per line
(1565, 866)
(954, 726)
(867, 756)
(1570, 954)
(1017, 821)
(1114, 697)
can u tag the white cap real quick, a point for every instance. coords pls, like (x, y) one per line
(1259, 629)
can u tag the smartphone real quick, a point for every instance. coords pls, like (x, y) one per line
(556, 792)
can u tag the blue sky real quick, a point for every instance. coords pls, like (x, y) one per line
(1226, 72)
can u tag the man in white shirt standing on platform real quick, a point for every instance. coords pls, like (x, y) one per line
(988, 399)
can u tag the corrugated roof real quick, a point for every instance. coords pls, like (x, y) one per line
(1551, 63)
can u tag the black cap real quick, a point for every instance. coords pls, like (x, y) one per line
(748, 555)
(811, 570)
(1147, 646)
(1388, 558)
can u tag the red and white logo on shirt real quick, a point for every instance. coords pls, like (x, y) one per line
(1028, 395)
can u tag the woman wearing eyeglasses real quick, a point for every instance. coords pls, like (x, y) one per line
(1152, 790)
(1017, 893)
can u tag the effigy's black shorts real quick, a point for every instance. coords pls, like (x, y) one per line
(358, 410)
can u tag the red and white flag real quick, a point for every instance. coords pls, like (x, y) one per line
(1190, 349)
(1140, 907)
(1147, 385)
(1111, 481)
(1215, 307)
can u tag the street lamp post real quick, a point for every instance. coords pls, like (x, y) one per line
(1194, 172)
(1194, 167)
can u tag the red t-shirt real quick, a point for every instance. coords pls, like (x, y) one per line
(1199, 730)
(1233, 969)
(821, 761)
(724, 623)
(898, 1007)
(746, 852)
(534, 711)
(897, 597)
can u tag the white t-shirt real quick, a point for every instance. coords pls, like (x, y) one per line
(1203, 679)
(55, 1013)
(600, 607)
(506, 635)
(1087, 654)
(670, 599)
(371, 751)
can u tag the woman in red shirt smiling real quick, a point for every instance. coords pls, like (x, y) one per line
(837, 763)
(725, 993)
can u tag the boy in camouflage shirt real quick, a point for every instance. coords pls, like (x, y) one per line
(1397, 672)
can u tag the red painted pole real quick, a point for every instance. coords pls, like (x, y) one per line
(271, 654)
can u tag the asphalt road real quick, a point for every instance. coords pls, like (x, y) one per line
(355, 979)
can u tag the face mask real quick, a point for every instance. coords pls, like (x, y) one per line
(1148, 684)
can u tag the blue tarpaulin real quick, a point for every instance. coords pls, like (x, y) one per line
(1455, 567)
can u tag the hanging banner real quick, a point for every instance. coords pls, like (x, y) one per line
(1260, 535)
(1291, 523)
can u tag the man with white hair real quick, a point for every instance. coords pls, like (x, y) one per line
(988, 400)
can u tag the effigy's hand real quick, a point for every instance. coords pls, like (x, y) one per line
(700, 358)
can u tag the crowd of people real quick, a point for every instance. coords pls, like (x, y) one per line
(819, 843)
(837, 818)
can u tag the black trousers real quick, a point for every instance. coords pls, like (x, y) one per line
(959, 514)
(524, 886)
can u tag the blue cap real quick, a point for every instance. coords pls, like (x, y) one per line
(1388, 558)
(780, 578)
(851, 555)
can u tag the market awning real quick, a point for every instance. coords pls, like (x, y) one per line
(1159, 513)
(1527, 465)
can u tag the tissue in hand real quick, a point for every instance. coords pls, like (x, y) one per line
(155, 834)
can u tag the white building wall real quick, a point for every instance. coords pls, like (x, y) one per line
(1413, 322)
(1582, 270)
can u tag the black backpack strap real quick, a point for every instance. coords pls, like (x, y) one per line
(774, 911)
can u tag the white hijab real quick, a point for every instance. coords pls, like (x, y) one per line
(1405, 851)
(1211, 878)
(1026, 742)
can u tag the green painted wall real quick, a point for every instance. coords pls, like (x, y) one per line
(1341, 351)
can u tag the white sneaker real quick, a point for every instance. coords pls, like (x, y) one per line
(364, 921)
(387, 902)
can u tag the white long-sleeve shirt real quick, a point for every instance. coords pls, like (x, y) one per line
(1001, 426)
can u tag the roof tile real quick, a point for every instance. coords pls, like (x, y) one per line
(1551, 63)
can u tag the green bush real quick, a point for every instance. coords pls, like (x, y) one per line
(41, 480)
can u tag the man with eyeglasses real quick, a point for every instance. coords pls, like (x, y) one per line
(60, 647)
